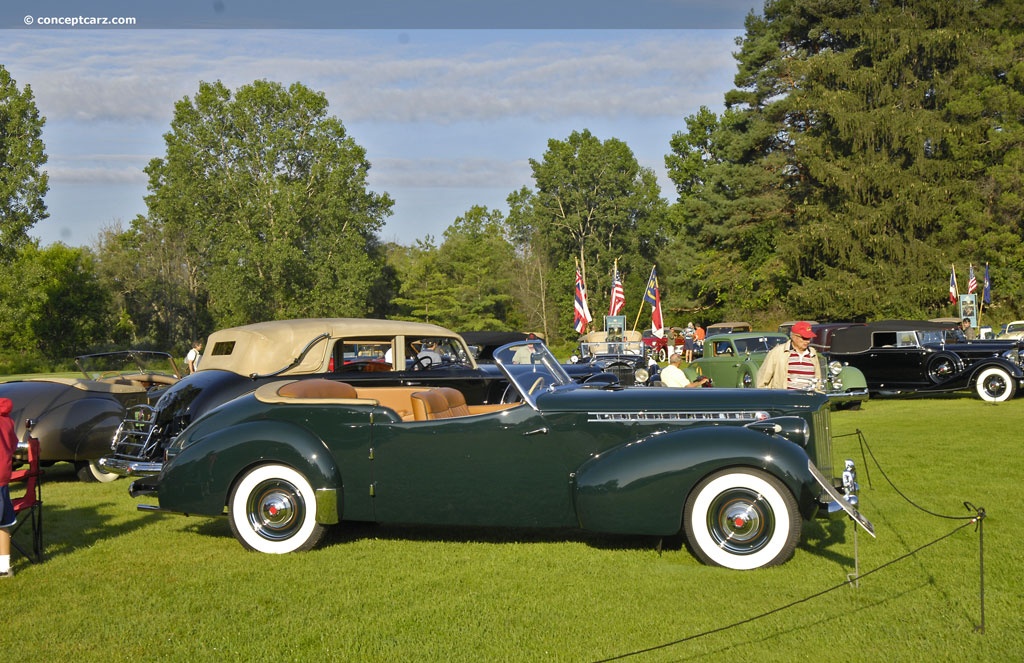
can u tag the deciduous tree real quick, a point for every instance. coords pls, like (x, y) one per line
(266, 197)
(23, 183)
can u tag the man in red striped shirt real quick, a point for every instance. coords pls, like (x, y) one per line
(792, 365)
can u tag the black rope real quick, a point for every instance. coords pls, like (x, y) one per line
(899, 492)
(978, 518)
(794, 603)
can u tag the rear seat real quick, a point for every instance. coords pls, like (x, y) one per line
(439, 403)
(410, 403)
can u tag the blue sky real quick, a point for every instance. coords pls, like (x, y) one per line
(449, 117)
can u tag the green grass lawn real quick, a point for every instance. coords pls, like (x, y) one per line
(119, 584)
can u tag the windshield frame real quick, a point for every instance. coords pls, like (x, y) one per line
(532, 369)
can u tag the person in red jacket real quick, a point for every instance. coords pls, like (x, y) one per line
(8, 443)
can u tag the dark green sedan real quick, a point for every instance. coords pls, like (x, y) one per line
(736, 470)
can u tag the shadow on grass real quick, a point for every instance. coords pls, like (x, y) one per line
(350, 532)
(819, 537)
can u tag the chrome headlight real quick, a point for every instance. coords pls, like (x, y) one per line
(641, 375)
(835, 367)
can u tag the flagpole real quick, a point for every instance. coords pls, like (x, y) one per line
(642, 301)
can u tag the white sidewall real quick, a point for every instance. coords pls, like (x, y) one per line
(985, 396)
(240, 516)
(699, 529)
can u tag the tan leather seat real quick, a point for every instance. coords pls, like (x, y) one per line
(429, 405)
(456, 402)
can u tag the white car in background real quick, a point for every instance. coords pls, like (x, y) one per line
(1013, 329)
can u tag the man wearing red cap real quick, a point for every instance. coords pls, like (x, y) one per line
(792, 365)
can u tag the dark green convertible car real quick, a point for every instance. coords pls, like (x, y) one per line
(737, 471)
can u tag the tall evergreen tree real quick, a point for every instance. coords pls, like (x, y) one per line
(868, 145)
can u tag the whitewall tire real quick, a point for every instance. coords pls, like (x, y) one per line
(742, 519)
(273, 510)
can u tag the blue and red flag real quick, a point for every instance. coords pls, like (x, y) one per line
(653, 297)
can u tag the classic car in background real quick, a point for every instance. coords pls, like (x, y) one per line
(732, 360)
(623, 355)
(1012, 331)
(736, 471)
(786, 327)
(75, 418)
(908, 356)
(727, 328)
(240, 359)
(657, 347)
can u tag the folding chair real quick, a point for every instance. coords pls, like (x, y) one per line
(28, 508)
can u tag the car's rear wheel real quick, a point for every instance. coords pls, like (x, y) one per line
(272, 509)
(995, 385)
(742, 519)
(90, 472)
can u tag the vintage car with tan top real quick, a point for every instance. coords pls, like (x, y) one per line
(239, 360)
(734, 471)
(75, 417)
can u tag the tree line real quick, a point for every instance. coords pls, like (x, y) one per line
(865, 148)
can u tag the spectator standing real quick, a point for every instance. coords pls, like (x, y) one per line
(689, 341)
(192, 358)
(8, 443)
(792, 365)
(967, 329)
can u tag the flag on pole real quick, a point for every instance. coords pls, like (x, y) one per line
(972, 283)
(953, 292)
(581, 315)
(618, 294)
(653, 297)
(986, 290)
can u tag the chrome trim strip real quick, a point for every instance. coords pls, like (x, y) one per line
(679, 417)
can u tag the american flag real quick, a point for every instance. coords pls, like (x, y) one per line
(618, 294)
(581, 314)
(972, 283)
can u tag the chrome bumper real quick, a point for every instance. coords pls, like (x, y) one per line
(129, 468)
(847, 396)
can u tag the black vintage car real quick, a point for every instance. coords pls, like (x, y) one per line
(624, 355)
(910, 356)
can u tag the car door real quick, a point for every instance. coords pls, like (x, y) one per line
(509, 468)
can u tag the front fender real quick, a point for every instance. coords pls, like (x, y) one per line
(199, 479)
(642, 487)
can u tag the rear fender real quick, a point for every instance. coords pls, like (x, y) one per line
(642, 487)
(80, 429)
(199, 479)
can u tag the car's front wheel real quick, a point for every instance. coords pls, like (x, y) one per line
(995, 385)
(272, 509)
(742, 519)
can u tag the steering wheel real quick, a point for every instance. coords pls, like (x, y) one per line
(421, 362)
(537, 384)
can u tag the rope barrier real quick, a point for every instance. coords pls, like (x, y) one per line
(976, 519)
